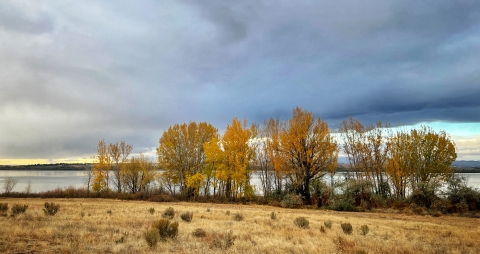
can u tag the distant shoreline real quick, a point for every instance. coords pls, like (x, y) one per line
(83, 166)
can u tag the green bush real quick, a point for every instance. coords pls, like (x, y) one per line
(187, 216)
(3, 209)
(347, 228)
(166, 229)
(151, 210)
(152, 236)
(238, 217)
(50, 208)
(344, 205)
(301, 222)
(169, 213)
(199, 232)
(291, 201)
(17, 209)
(328, 223)
(364, 229)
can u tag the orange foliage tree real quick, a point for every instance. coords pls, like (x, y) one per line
(304, 150)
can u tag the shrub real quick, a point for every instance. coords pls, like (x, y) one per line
(166, 229)
(322, 229)
(50, 208)
(152, 237)
(328, 223)
(187, 216)
(224, 241)
(344, 205)
(364, 229)
(301, 222)
(227, 213)
(151, 210)
(461, 207)
(169, 213)
(17, 209)
(3, 209)
(347, 228)
(199, 232)
(238, 217)
(291, 201)
(109, 212)
(273, 216)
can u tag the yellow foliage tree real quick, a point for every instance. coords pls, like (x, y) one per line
(195, 182)
(101, 169)
(138, 173)
(181, 153)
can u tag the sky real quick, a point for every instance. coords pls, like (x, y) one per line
(75, 72)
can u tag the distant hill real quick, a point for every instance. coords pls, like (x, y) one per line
(466, 163)
(57, 166)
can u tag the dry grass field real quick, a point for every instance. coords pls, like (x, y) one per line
(114, 226)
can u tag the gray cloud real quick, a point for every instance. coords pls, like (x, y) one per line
(75, 73)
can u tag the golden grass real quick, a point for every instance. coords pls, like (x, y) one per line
(121, 231)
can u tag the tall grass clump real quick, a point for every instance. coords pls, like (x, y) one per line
(169, 213)
(50, 208)
(17, 209)
(301, 222)
(224, 241)
(347, 228)
(187, 216)
(3, 209)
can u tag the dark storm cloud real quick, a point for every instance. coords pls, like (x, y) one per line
(73, 74)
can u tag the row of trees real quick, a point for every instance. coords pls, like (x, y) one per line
(115, 170)
(288, 156)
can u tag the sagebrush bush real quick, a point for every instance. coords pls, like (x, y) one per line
(17, 209)
(166, 229)
(322, 229)
(187, 216)
(238, 217)
(3, 209)
(199, 232)
(273, 216)
(152, 236)
(50, 208)
(228, 212)
(224, 241)
(347, 228)
(301, 222)
(328, 223)
(364, 229)
(151, 210)
(169, 213)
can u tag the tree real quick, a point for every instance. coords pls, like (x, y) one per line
(101, 169)
(366, 149)
(421, 158)
(239, 152)
(181, 152)
(138, 173)
(119, 156)
(88, 174)
(9, 184)
(306, 150)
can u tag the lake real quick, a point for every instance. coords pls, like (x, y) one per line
(49, 180)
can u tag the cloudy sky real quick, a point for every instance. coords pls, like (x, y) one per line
(76, 72)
